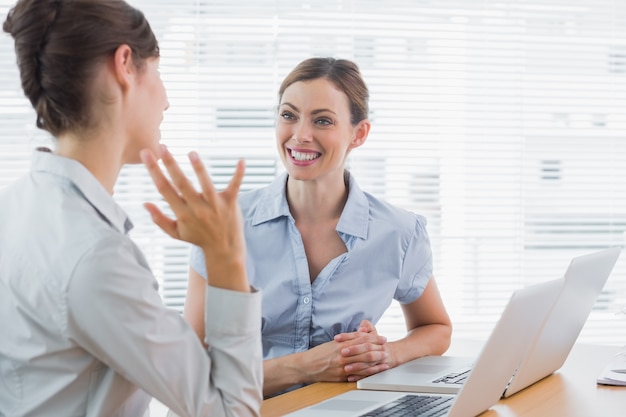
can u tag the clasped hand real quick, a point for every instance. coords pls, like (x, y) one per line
(350, 356)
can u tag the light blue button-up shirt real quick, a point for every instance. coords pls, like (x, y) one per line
(83, 330)
(388, 257)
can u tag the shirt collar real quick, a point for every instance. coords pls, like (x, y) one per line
(355, 215)
(76, 174)
(272, 204)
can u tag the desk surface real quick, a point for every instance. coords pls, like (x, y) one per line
(570, 392)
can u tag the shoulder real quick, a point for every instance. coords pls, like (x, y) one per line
(384, 212)
(108, 260)
(87, 233)
(368, 215)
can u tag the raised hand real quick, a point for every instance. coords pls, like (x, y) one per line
(209, 219)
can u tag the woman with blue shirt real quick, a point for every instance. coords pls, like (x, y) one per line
(328, 256)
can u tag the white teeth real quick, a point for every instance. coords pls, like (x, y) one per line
(304, 156)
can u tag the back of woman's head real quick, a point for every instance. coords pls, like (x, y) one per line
(344, 74)
(59, 46)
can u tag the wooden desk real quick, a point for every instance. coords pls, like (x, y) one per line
(570, 392)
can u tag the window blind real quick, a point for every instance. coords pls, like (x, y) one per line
(503, 122)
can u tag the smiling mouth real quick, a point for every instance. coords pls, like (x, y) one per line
(304, 156)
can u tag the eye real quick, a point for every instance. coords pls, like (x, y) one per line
(287, 115)
(323, 121)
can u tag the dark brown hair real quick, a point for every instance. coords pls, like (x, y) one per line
(344, 74)
(59, 44)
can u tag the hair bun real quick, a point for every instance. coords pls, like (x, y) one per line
(29, 23)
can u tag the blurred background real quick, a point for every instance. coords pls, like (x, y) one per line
(503, 122)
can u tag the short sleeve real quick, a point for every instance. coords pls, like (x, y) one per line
(417, 264)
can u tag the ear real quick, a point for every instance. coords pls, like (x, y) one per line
(361, 130)
(124, 68)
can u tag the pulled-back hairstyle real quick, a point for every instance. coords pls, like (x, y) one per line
(344, 74)
(59, 44)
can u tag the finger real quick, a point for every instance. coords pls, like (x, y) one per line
(376, 344)
(208, 189)
(359, 337)
(367, 372)
(342, 337)
(235, 183)
(362, 367)
(160, 181)
(165, 223)
(180, 180)
(367, 327)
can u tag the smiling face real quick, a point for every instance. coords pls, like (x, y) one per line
(314, 134)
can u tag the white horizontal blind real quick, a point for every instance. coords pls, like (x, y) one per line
(504, 123)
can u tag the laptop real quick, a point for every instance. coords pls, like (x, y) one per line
(584, 279)
(523, 314)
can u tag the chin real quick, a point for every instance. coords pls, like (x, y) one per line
(297, 175)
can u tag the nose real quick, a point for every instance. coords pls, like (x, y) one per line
(302, 133)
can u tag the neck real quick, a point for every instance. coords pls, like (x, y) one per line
(317, 200)
(98, 154)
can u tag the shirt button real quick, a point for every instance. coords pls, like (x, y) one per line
(306, 300)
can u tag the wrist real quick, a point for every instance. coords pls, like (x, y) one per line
(227, 272)
(295, 368)
(282, 373)
(393, 357)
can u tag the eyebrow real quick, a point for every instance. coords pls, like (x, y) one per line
(316, 111)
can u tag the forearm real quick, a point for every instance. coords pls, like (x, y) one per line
(282, 373)
(432, 339)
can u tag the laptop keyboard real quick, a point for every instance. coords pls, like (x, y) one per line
(413, 405)
(454, 378)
